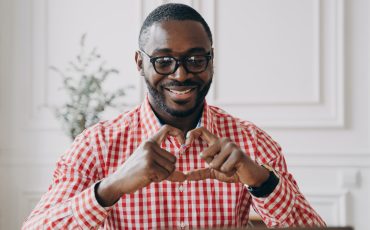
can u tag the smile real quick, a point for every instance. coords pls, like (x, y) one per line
(178, 92)
(181, 93)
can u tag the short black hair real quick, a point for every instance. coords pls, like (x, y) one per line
(167, 12)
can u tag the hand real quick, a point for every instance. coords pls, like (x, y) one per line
(227, 162)
(149, 163)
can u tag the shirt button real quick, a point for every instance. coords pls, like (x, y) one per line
(181, 188)
(182, 149)
(182, 224)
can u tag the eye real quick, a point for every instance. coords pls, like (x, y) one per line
(163, 61)
(196, 60)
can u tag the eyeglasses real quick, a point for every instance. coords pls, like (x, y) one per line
(166, 65)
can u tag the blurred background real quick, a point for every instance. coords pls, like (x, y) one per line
(298, 69)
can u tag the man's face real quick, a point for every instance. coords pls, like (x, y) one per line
(178, 94)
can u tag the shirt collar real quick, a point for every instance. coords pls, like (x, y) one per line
(151, 123)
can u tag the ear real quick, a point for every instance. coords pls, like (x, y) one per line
(139, 62)
(212, 63)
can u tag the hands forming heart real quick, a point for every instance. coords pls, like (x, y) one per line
(150, 163)
(223, 157)
(226, 161)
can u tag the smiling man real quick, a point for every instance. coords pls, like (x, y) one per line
(174, 161)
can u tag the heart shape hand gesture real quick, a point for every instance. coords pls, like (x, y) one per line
(227, 162)
(150, 163)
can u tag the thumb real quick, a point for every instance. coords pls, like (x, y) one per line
(177, 176)
(200, 174)
(209, 173)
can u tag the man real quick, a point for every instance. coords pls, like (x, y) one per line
(174, 161)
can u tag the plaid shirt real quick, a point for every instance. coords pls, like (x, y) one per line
(70, 202)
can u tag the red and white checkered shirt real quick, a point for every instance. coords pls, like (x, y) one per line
(70, 202)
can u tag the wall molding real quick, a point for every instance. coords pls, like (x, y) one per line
(329, 76)
(17, 160)
(39, 116)
(317, 76)
(338, 160)
(38, 111)
(28, 199)
(337, 200)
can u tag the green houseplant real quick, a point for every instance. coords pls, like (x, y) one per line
(83, 82)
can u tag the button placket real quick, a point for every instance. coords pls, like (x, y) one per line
(182, 225)
(182, 150)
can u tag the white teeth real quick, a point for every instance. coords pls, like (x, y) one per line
(180, 92)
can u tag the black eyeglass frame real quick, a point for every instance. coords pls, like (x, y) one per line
(179, 61)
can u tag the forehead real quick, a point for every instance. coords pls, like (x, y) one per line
(177, 36)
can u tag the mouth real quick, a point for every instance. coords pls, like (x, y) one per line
(181, 93)
(178, 92)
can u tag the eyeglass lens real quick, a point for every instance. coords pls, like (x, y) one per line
(193, 64)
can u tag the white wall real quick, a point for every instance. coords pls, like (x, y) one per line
(298, 69)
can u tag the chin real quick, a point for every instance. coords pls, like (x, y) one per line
(180, 108)
(176, 112)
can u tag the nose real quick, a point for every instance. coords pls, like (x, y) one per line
(180, 74)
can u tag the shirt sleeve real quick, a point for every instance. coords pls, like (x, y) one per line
(286, 205)
(70, 202)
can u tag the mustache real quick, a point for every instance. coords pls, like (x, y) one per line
(184, 83)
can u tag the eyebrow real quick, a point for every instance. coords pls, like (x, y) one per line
(191, 50)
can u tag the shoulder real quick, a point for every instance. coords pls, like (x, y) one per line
(254, 140)
(105, 131)
(223, 120)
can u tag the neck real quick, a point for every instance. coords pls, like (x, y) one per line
(185, 124)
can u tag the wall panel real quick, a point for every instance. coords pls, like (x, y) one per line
(298, 69)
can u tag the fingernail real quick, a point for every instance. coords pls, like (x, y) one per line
(187, 135)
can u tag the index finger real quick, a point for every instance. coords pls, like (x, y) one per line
(167, 130)
(203, 133)
(200, 174)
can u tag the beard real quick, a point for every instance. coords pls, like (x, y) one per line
(160, 101)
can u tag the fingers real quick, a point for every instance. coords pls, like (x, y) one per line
(209, 153)
(208, 173)
(212, 140)
(231, 165)
(163, 169)
(171, 174)
(158, 173)
(162, 152)
(165, 163)
(222, 155)
(226, 178)
(177, 176)
(201, 133)
(218, 160)
(167, 130)
(199, 174)
(226, 150)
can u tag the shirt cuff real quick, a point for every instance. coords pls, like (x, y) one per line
(87, 211)
(276, 207)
